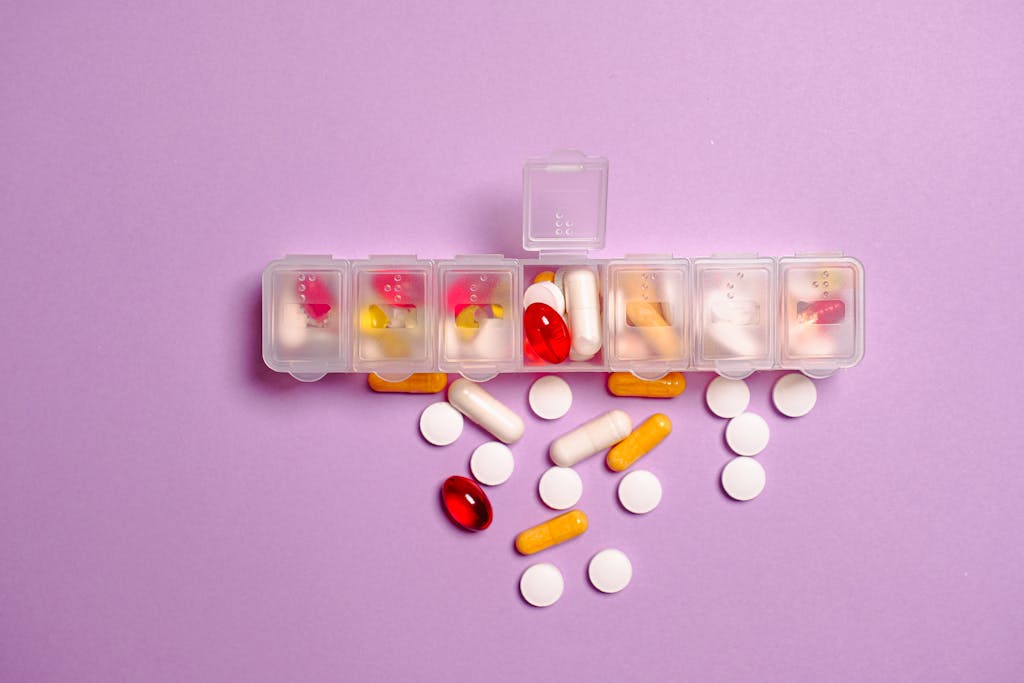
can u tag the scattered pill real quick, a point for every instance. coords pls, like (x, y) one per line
(541, 584)
(794, 394)
(550, 397)
(466, 503)
(473, 401)
(545, 276)
(743, 478)
(440, 423)
(492, 463)
(727, 397)
(747, 434)
(560, 488)
(610, 570)
(417, 383)
(583, 307)
(590, 438)
(547, 333)
(556, 530)
(639, 443)
(628, 384)
(545, 293)
(640, 492)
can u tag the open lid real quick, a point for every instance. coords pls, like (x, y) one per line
(565, 201)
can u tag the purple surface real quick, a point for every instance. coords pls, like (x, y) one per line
(172, 510)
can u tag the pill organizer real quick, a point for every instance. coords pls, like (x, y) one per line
(399, 315)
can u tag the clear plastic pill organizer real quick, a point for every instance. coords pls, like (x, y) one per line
(652, 313)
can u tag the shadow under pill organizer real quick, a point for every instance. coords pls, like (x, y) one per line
(650, 314)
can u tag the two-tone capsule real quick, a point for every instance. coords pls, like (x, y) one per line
(639, 443)
(590, 438)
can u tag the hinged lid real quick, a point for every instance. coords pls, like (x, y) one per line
(565, 200)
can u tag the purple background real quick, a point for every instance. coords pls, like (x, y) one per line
(172, 510)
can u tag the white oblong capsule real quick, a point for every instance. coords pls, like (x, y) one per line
(473, 401)
(583, 306)
(590, 438)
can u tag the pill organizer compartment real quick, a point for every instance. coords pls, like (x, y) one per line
(647, 314)
(822, 304)
(393, 316)
(480, 315)
(734, 314)
(305, 316)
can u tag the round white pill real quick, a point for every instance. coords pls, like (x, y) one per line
(541, 584)
(560, 488)
(610, 570)
(743, 478)
(727, 397)
(545, 293)
(640, 492)
(794, 394)
(550, 397)
(492, 463)
(747, 434)
(440, 424)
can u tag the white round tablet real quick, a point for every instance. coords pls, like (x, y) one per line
(492, 463)
(794, 394)
(743, 478)
(550, 397)
(545, 293)
(440, 423)
(610, 570)
(747, 434)
(541, 584)
(560, 488)
(727, 397)
(640, 492)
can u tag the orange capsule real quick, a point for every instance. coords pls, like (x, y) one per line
(639, 443)
(552, 532)
(546, 276)
(417, 383)
(627, 384)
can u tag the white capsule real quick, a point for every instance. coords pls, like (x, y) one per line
(473, 401)
(604, 431)
(583, 306)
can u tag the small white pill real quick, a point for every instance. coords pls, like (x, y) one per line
(492, 463)
(747, 434)
(640, 492)
(545, 293)
(610, 570)
(440, 424)
(541, 584)
(550, 397)
(743, 478)
(727, 397)
(560, 488)
(794, 394)
(590, 438)
(473, 401)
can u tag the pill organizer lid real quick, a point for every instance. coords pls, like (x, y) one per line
(565, 199)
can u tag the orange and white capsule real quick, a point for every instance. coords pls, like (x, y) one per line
(639, 443)
(417, 383)
(552, 532)
(627, 384)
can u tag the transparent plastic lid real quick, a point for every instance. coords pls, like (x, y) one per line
(565, 199)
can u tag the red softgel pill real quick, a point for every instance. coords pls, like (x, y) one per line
(547, 333)
(466, 503)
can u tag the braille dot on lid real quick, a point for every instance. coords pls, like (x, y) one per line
(825, 284)
(302, 297)
(568, 231)
(568, 224)
(473, 288)
(387, 288)
(483, 278)
(825, 294)
(558, 215)
(825, 274)
(472, 297)
(558, 231)
(302, 288)
(558, 224)
(398, 297)
(739, 275)
(814, 284)
(398, 278)
(729, 285)
(729, 295)
(312, 278)
(398, 288)
(302, 277)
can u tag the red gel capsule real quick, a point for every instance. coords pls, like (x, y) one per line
(826, 312)
(466, 503)
(547, 333)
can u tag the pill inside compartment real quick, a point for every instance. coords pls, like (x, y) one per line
(585, 324)
(393, 321)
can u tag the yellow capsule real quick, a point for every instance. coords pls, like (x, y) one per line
(546, 276)
(627, 384)
(552, 532)
(497, 311)
(467, 317)
(417, 383)
(639, 443)
(373, 318)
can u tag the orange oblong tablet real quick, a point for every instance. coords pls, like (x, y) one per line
(627, 384)
(552, 532)
(639, 443)
(417, 383)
